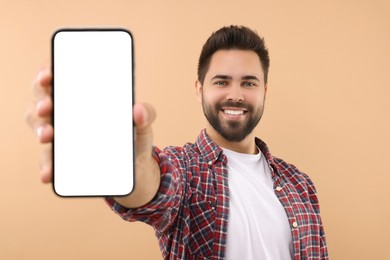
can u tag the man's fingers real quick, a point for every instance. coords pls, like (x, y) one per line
(38, 115)
(42, 83)
(45, 76)
(40, 125)
(45, 133)
(44, 107)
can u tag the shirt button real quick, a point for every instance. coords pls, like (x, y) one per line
(295, 224)
(278, 188)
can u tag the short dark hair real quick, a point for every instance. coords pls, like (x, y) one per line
(233, 37)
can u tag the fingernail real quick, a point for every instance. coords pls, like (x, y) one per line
(39, 131)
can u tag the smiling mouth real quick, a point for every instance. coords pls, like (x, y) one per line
(233, 112)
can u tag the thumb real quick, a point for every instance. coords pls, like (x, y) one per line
(143, 116)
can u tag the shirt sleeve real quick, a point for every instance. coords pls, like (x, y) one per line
(163, 209)
(316, 205)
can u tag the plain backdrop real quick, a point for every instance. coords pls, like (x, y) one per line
(327, 112)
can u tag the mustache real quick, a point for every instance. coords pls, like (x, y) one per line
(248, 107)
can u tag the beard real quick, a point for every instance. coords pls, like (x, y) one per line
(232, 130)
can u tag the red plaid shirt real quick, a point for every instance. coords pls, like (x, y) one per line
(190, 211)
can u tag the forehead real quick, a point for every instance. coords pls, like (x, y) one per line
(235, 63)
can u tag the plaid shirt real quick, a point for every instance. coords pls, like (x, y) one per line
(190, 211)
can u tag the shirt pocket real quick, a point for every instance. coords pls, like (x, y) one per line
(202, 225)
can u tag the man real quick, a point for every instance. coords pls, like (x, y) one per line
(224, 196)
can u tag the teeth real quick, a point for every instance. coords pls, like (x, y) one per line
(234, 112)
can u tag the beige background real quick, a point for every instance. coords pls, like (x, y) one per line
(327, 111)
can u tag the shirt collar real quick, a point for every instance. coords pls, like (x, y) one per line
(267, 154)
(212, 152)
(209, 150)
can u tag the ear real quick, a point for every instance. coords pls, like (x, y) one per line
(199, 90)
(265, 90)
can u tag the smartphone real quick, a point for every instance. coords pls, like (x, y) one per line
(93, 96)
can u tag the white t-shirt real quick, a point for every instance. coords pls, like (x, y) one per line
(258, 227)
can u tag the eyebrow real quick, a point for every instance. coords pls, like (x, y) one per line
(250, 77)
(226, 77)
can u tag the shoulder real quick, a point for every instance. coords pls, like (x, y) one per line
(299, 179)
(289, 170)
(284, 169)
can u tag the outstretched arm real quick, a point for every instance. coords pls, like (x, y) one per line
(147, 172)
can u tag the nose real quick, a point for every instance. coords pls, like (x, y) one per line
(235, 93)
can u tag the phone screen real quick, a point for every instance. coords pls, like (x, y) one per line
(92, 95)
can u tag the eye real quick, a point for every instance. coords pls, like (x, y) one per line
(220, 83)
(249, 84)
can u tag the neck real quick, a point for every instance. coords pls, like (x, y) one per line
(248, 145)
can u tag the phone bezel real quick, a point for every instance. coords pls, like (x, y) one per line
(64, 30)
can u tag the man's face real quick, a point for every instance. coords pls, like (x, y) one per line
(233, 93)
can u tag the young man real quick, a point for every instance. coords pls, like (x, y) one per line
(224, 196)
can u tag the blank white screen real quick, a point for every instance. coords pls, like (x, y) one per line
(93, 126)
